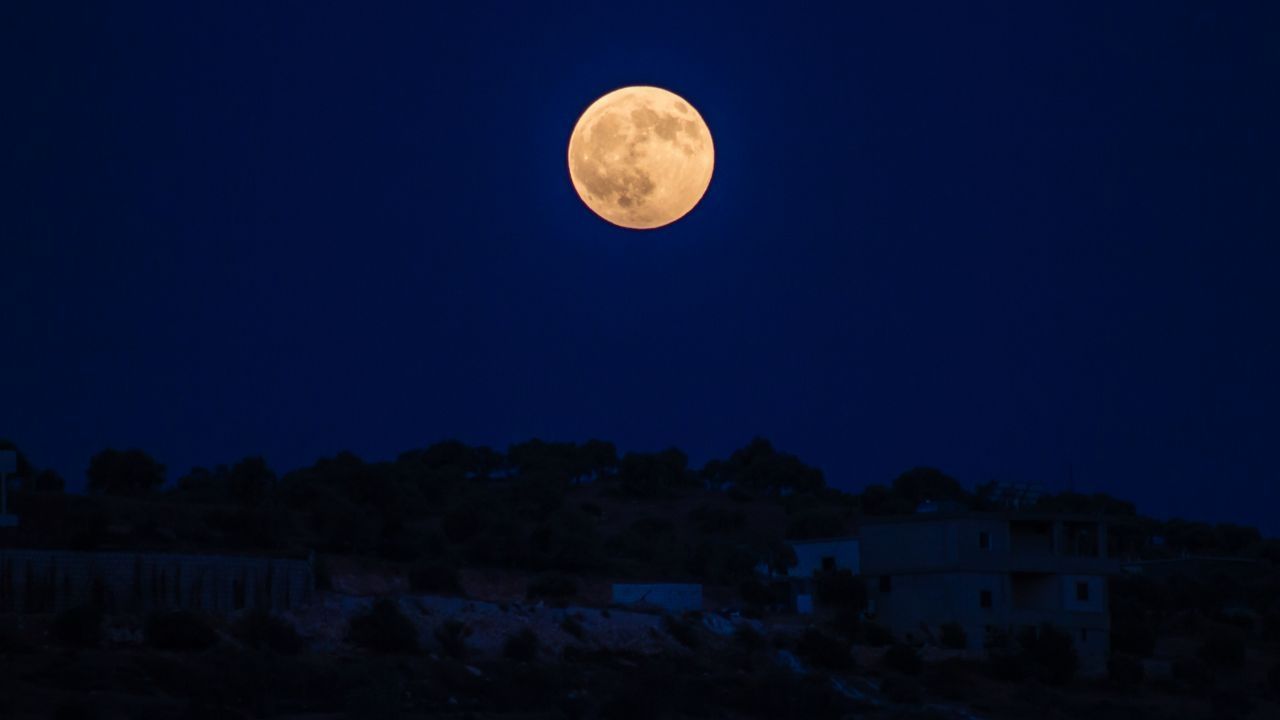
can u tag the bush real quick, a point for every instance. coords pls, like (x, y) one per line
(823, 650)
(1125, 672)
(261, 630)
(840, 589)
(876, 635)
(682, 630)
(1192, 673)
(845, 622)
(79, 627)
(521, 647)
(953, 637)
(179, 630)
(1051, 653)
(1223, 650)
(748, 638)
(571, 626)
(901, 690)
(384, 629)
(434, 578)
(903, 659)
(553, 587)
(452, 636)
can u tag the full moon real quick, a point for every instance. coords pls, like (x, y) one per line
(641, 157)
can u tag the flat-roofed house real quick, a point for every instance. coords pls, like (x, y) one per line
(993, 574)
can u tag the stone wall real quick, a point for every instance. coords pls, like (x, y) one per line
(42, 581)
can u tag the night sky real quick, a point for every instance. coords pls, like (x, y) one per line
(1000, 239)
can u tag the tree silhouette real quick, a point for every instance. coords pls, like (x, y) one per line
(127, 472)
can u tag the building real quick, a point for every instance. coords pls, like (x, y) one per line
(814, 556)
(994, 575)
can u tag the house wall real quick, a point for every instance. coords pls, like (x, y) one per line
(918, 604)
(934, 545)
(809, 556)
(40, 581)
(1097, 600)
(672, 597)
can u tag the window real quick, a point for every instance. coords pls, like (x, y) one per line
(984, 598)
(828, 563)
(1082, 591)
(886, 583)
(1084, 635)
(984, 540)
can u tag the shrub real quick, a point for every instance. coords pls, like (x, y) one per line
(179, 630)
(571, 626)
(553, 587)
(840, 589)
(953, 637)
(876, 635)
(748, 638)
(1051, 653)
(824, 651)
(521, 646)
(682, 630)
(261, 630)
(1125, 672)
(903, 659)
(1223, 650)
(434, 578)
(452, 636)
(79, 627)
(846, 622)
(1192, 673)
(901, 690)
(384, 629)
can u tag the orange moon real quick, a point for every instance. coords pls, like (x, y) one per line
(641, 157)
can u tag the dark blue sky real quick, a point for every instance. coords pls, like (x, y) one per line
(995, 238)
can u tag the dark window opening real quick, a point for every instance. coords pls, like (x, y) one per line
(984, 598)
(828, 563)
(886, 583)
(1082, 591)
(984, 540)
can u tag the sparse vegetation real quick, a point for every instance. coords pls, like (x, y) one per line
(452, 637)
(262, 630)
(384, 629)
(824, 651)
(521, 646)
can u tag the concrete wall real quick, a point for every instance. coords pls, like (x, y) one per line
(919, 604)
(672, 597)
(843, 552)
(38, 581)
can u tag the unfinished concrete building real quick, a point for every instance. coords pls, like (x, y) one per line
(994, 575)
